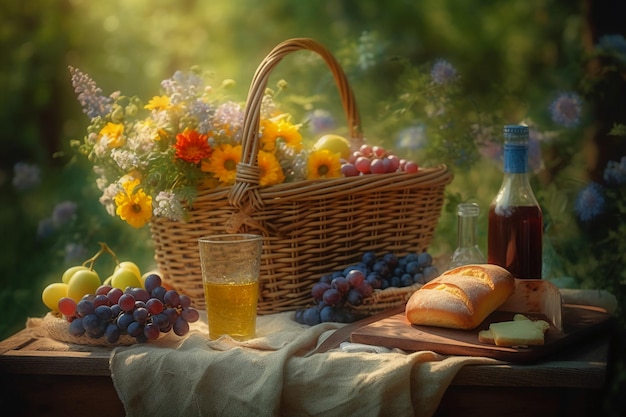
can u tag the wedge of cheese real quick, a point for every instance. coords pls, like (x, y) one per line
(521, 331)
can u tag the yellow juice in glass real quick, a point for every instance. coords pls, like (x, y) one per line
(231, 309)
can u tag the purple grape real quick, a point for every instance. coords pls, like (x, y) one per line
(326, 278)
(332, 297)
(328, 314)
(114, 295)
(84, 308)
(139, 293)
(190, 315)
(141, 315)
(154, 306)
(341, 284)
(151, 331)
(365, 289)
(76, 327)
(381, 268)
(391, 260)
(151, 282)
(103, 289)
(319, 289)
(127, 302)
(369, 258)
(355, 277)
(424, 259)
(430, 272)
(311, 316)
(135, 329)
(355, 297)
(181, 327)
(159, 292)
(104, 313)
(185, 301)
(171, 298)
(413, 268)
(112, 333)
(101, 300)
(124, 320)
(91, 322)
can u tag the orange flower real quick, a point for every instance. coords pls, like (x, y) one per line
(191, 146)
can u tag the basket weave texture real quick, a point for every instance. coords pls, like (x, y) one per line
(310, 228)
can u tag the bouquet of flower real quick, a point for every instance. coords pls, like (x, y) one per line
(152, 158)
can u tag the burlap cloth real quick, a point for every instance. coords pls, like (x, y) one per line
(274, 375)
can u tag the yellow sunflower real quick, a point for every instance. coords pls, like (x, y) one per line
(133, 205)
(158, 103)
(113, 133)
(223, 163)
(269, 133)
(323, 164)
(290, 133)
(271, 172)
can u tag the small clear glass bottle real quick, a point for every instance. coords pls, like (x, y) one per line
(467, 251)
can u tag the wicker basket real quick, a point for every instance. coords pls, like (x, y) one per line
(309, 227)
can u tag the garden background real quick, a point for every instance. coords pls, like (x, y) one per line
(557, 65)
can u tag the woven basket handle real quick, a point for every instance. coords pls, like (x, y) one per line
(248, 172)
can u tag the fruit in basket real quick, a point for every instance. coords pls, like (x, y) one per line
(338, 292)
(83, 282)
(53, 293)
(375, 160)
(335, 144)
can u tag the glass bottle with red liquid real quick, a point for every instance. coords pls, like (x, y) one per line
(515, 230)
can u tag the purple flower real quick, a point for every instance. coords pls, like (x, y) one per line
(615, 172)
(566, 109)
(443, 72)
(90, 95)
(75, 253)
(63, 212)
(321, 121)
(25, 176)
(590, 202)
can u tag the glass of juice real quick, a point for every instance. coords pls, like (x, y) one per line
(231, 266)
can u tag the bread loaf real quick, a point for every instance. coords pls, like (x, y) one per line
(461, 298)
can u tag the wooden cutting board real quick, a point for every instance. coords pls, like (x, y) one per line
(396, 332)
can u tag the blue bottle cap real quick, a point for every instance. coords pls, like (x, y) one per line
(515, 133)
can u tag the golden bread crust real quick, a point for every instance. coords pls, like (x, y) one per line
(461, 298)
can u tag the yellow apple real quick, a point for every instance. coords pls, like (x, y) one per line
(123, 278)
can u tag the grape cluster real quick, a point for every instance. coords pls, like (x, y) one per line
(141, 313)
(335, 293)
(375, 160)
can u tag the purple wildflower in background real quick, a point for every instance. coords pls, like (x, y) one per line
(63, 212)
(615, 172)
(25, 176)
(566, 109)
(443, 72)
(90, 95)
(183, 86)
(75, 253)
(590, 202)
(321, 121)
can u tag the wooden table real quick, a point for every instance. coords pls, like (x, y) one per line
(43, 377)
